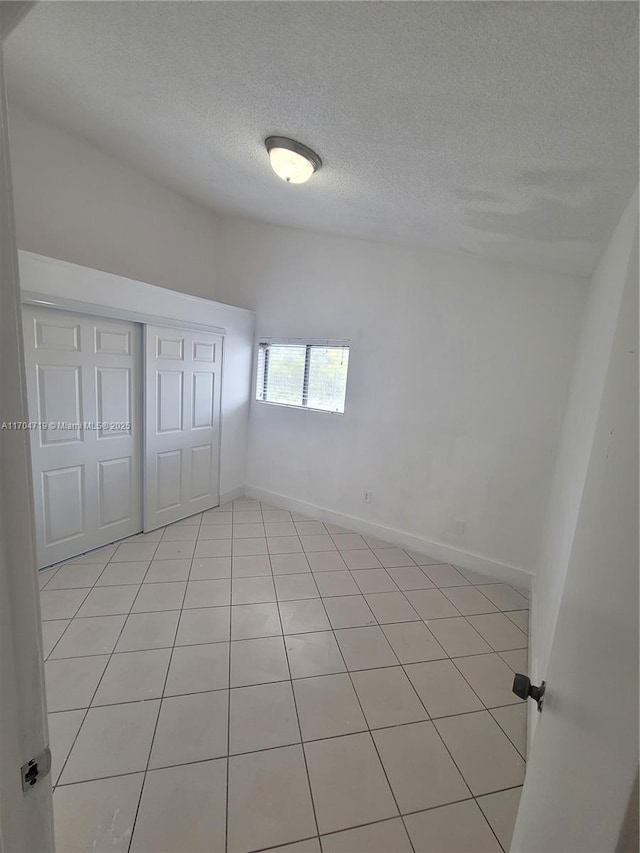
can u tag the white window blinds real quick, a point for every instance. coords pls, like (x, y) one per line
(305, 374)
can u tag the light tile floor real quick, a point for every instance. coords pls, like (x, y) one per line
(250, 679)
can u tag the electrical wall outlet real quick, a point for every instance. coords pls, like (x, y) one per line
(366, 496)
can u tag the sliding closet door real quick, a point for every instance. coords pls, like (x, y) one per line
(182, 422)
(83, 381)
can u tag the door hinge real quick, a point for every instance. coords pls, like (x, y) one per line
(36, 769)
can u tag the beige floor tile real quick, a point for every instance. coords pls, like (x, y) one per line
(349, 611)
(190, 728)
(61, 603)
(491, 679)
(422, 559)
(442, 689)
(517, 659)
(215, 531)
(133, 676)
(390, 607)
(210, 568)
(392, 557)
(72, 682)
(314, 653)
(444, 575)
(251, 566)
(365, 648)
(431, 604)
(252, 591)
(336, 583)
(216, 516)
(96, 635)
(51, 633)
(250, 547)
(182, 810)
(300, 617)
(348, 783)
(310, 528)
(476, 578)
(289, 564)
(500, 810)
(295, 587)
(326, 561)
(360, 560)
(97, 816)
(258, 662)
(275, 515)
(387, 697)
(248, 531)
(419, 768)
(389, 836)
(108, 601)
(133, 552)
(213, 593)
(458, 828)
(513, 722)
(311, 845)
(410, 577)
(519, 618)
(374, 580)
(245, 505)
(320, 542)
(161, 571)
(284, 544)
(247, 517)
(500, 632)
(269, 799)
(349, 541)
(504, 596)
(469, 601)
(148, 631)
(63, 728)
(457, 637)
(486, 757)
(113, 740)
(374, 542)
(45, 575)
(99, 555)
(158, 596)
(280, 528)
(328, 706)
(213, 548)
(413, 642)
(76, 576)
(198, 669)
(175, 550)
(251, 621)
(204, 625)
(180, 533)
(262, 717)
(121, 574)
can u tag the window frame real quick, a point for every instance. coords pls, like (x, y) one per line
(308, 343)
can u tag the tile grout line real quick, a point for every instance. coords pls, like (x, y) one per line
(295, 702)
(164, 687)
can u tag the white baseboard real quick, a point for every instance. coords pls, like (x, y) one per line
(403, 538)
(233, 495)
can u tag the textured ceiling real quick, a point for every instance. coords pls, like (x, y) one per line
(502, 129)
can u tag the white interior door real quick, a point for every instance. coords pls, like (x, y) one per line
(584, 756)
(182, 423)
(83, 379)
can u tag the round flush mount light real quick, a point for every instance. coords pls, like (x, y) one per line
(290, 160)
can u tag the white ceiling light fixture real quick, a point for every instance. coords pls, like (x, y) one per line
(290, 160)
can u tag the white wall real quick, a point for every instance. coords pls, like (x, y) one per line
(458, 377)
(592, 362)
(58, 279)
(76, 203)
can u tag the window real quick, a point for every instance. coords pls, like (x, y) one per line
(305, 374)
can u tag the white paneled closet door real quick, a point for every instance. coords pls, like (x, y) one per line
(83, 380)
(182, 423)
